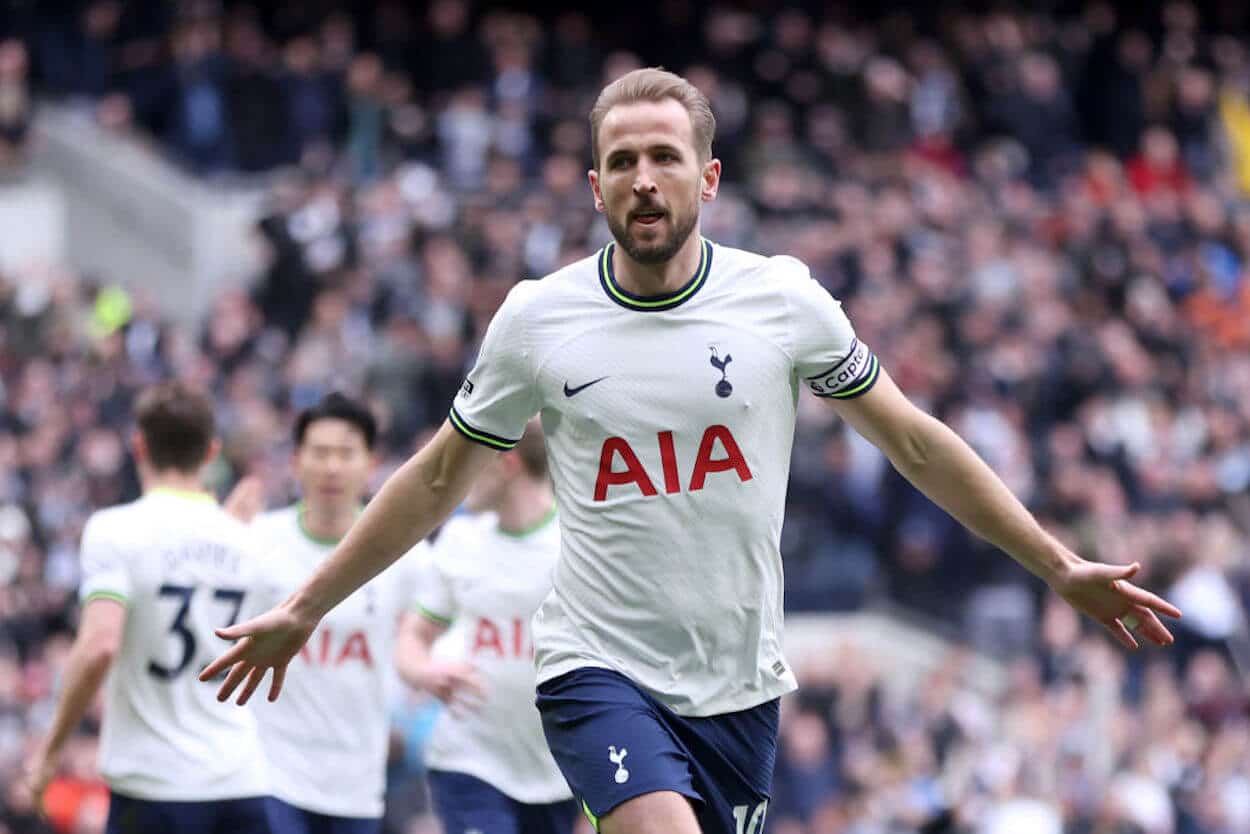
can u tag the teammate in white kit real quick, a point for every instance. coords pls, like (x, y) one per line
(326, 741)
(490, 769)
(159, 574)
(667, 372)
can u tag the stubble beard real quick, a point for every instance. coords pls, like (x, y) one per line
(661, 251)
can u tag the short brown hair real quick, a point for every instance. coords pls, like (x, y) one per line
(176, 422)
(656, 84)
(532, 450)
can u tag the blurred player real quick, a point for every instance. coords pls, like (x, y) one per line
(490, 769)
(327, 740)
(667, 370)
(159, 574)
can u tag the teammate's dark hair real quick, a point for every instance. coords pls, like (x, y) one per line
(336, 406)
(176, 422)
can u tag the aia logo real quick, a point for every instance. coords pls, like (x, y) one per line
(323, 650)
(502, 639)
(718, 452)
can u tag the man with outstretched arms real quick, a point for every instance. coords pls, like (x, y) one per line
(667, 370)
(490, 769)
(326, 740)
(159, 575)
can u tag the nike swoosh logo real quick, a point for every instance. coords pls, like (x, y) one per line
(569, 392)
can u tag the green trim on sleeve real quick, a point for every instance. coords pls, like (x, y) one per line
(431, 616)
(113, 595)
(486, 439)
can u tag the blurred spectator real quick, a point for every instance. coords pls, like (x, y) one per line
(16, 104)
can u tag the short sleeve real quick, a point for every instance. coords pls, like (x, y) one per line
(433, 597)
(104, 573)
(499, 395)
(827, 355)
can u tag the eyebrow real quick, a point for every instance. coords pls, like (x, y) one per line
(655, 148)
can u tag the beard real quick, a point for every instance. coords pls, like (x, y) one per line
(658, 251)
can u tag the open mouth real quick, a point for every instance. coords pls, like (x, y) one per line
(648, 218)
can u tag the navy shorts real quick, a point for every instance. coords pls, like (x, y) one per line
(614, 742)
(466, 803)
(285, 818)
(225, 816)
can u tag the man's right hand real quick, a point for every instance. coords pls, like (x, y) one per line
(268, 641)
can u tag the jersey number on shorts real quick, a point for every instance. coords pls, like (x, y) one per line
(232, 598)
(756, 823)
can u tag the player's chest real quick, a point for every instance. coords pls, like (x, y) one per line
(659, 372)
(507, 580)
(357, 634)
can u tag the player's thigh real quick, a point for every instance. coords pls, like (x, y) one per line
(550, 818)
(284, 818)
(465, 804)
(732, 758)
(611, 741)
(661, 812)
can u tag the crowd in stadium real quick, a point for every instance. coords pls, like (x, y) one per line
(1041, 223)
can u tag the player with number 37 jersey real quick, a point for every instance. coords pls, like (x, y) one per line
(183, 567)
(159, 576)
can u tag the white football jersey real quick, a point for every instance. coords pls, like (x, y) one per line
(326, 737)
(669, 423)
(183, 567)
(490, 583)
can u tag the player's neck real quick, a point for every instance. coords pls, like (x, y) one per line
(171, 480)
(327, 524)
(526, 507)
(662, 278)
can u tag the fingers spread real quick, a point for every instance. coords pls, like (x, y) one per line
(236, 676)
(254, 679)
(1143, 598)
(215, 668)
(234, 632)
(275, 685)
(1120, 633)
(1151, 628)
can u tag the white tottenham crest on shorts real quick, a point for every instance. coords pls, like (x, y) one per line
(622, 775)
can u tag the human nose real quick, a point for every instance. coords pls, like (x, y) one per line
(644, 183)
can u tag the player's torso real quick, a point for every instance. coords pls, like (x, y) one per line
(498, 580)
(348, 654)
(670, 434)
(330, 724)
(694, 399)
(192, 571)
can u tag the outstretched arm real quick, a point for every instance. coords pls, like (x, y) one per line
(942, 466)
(412, 502)
(99, 638)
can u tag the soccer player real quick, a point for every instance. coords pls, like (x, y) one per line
(490, 769)
(159, 574)
(667, 370)
(326, 741)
